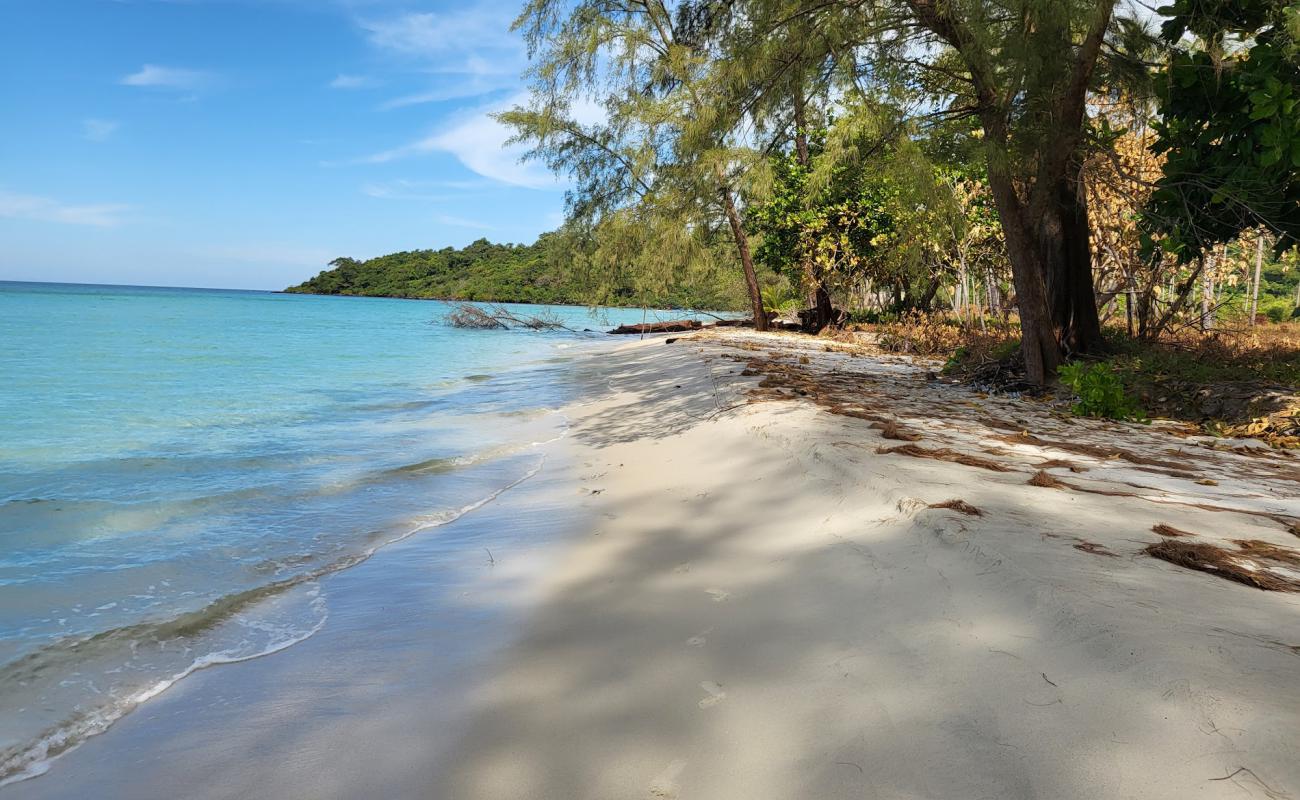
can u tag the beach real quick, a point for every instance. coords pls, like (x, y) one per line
(721, 586)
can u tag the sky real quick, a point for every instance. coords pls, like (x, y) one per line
(246, 143)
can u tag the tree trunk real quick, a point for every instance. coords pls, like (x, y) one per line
(1254, 285)
(992, 292)
(1179, 295)
(819, 299)
(1207, 294)
(1064, 235)
(927, 299)
(800, 124)
(1038, 341)
(746, 260)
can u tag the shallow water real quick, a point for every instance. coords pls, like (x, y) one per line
(180, 469)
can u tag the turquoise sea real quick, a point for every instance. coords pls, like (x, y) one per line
(178, 468)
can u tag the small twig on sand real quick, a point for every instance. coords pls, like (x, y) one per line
(1268, 790)
(1049, 680)
(491, 561)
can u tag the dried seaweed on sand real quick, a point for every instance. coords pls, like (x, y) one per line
(943, 454)
(1251, 568)
(960, 506)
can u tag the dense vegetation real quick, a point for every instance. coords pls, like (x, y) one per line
(507, 273)
(1074, 167)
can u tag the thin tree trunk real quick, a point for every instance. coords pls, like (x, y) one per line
(819, 298)
(1180, 295)
(1207, 294)
(1254, 285)
(992, 291)
(746, 260)
(800, 123)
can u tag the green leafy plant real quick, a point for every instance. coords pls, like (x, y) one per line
(1100, 392)
(781, 299)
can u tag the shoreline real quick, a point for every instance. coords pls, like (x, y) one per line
(739, 596)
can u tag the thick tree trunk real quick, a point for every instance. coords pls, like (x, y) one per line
(746, 259)
(1064, 239)
(1038, 341)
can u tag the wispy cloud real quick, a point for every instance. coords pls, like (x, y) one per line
(154, 76)
(343, 81)
(461, 222)
(428, 35)
(467, 52)
(403, 189)
(465, 86)
(98, 130)
(45, 209)
(478, 142)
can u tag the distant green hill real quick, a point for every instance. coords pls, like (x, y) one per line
(506, 273)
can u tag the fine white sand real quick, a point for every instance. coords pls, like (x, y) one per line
(768, 608)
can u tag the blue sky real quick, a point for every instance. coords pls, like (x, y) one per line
(245, 143)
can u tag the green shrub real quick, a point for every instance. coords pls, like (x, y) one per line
(1100, 392)
(1276, 310)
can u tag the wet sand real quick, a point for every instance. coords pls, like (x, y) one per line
(368, 705)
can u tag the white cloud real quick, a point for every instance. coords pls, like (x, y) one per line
(45, 209)
(465, 86)
(152, 75)
(351, 82)
(403, 189)
(98, 130)
(472, 29)
(461, 222)
(479, 143)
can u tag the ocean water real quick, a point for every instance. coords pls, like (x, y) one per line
(179, 468)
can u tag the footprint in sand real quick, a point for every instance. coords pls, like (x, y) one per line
(716, 695)
(718, 595)
(699, 639)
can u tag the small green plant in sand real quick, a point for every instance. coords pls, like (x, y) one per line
(1100, 392)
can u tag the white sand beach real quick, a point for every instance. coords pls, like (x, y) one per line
(754, 603)
(767, 608)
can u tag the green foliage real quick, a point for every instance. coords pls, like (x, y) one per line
(1228, 125)
(869, 206)
(1100, 391)
(781, 298)
(510, 273)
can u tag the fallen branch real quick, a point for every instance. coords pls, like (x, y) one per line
(673, 326)
(469, 315)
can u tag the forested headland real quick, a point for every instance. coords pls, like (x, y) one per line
(511, 273)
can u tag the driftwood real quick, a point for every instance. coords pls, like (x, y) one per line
(469, 315)
(673, 326)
